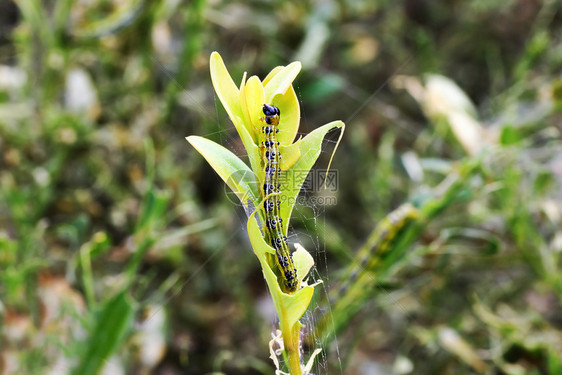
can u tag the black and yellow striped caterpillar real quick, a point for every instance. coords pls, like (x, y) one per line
(378, 243)
(358, 280)
(273, 220)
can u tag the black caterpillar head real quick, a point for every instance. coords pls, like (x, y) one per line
(271, 110)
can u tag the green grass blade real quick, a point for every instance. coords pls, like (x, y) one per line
(110, 329)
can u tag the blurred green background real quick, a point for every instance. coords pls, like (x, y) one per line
(121, 253)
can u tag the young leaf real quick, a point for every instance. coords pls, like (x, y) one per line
(310, 148)
(229, 96)
(252, 97)
(288, 105)
(282, 80)
(279, 91)
(290, 307)
(230, 168)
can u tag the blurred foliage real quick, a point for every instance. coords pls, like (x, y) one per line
(121, 253)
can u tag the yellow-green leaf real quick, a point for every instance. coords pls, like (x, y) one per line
(272, 74)
(290, 154)
(225, 87)
(252, 96)
(310, 148)
(251, 149)
(279, 91)
(229, 96)
(289, 108)
(281, 81)
(290, 307)
(230, 168)
(303, 261)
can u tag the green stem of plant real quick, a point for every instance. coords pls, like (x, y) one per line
(292, 350)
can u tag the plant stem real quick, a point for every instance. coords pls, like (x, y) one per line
(291, 343)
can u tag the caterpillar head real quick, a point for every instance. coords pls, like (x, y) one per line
(271, 110)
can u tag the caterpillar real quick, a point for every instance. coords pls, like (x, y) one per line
(273, 221)
(379, 242)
